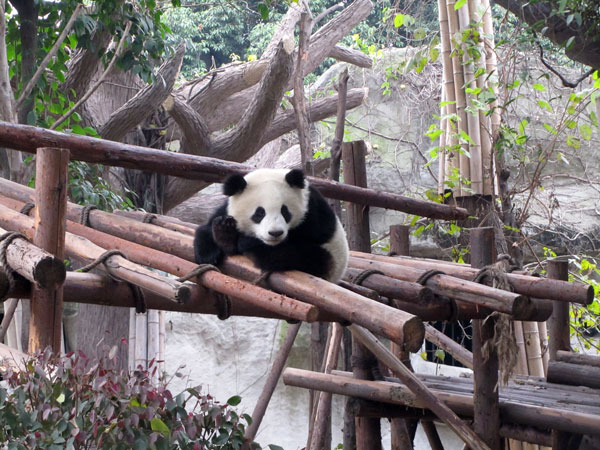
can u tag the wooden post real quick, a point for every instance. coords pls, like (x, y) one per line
(271, 381)
(559, 339)
(45, 326)
(485, 371)
(402, 430)
(368, 430)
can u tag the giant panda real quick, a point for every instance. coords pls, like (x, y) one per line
(278, 220)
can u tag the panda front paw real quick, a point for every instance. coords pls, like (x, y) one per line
(225, 234)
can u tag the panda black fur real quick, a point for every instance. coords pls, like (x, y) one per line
(277, 219)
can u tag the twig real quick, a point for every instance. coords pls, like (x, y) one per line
(9, 312)
(38, 73)
(97, 84)
(328, 11)
(565, 82)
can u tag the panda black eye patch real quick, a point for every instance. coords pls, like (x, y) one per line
(259, 215)
(285, 212)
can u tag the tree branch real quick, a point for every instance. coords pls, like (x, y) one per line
(245, 139)
(146, 100)
(351, 56)
(38, 73)
(302, 122)
(566, 83)
(192, 126)
(336, 146)
(585, 47)
(99, 82)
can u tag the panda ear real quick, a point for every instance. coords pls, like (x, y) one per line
(295, 178)
(234, 184)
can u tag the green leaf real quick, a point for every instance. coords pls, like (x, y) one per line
(459, 4)
(574, 142)
(158, 425)
(275, 447)
(465, 137)
(539, 87)
(398, 20)
(544, 104)
(263, 10)
(550, 128)
(585, 131)
(234, 401)
(61, 398)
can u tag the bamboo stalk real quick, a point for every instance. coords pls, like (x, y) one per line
(153, 343)
(473, 126)
(533, 349)
(141, 341)
(544, 288)
(521, 366)
(448, 159)
(83, 148)
(461, 101)
(544, 344)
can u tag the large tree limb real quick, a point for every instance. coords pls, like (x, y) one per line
(10, 162)
(351, 56)
(179, 190)
(585, 47)
(145, 101)
(228, 111)
(245, 139)
(191, 124)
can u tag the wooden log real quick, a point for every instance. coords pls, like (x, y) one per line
(402, 431)
(526, 434)
(431, 401)
(485, 367)
(367, 430)
(458, 352)
(271, 381)
(45, 323)
(83, 148)
(507, 302)
(573, 374)
(392, 288)
(116, 265)
(323, 409)
(461, 403)
(558, 323)
(170, 223)
(34, 264)
(522, 284)
(578, 358)
(386, 321)
(255, 295)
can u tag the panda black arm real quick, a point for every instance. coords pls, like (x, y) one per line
(319, 223)
(206, 249)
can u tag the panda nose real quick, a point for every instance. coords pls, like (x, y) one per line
(276, 233)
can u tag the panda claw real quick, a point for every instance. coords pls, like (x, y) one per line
(224, 229)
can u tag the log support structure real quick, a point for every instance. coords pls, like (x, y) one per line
(45, 326)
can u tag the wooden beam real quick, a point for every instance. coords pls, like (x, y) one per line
(45, 323)
(83, 148)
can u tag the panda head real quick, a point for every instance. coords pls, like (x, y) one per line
(267, 203)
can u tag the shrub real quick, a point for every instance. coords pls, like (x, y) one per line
(75, 402)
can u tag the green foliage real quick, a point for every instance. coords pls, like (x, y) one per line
(88, 186)
(74, 402)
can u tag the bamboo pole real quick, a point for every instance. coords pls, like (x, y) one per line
(545, 288)
(448, 159)
(533, 349)
(472, 126)
(49, 228)
(409, 379)
(255, 295)
(83, 148)
(461, 101)
(141, 341)
(271, 381)
(153, 343)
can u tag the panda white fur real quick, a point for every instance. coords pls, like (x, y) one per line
(277, 219)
